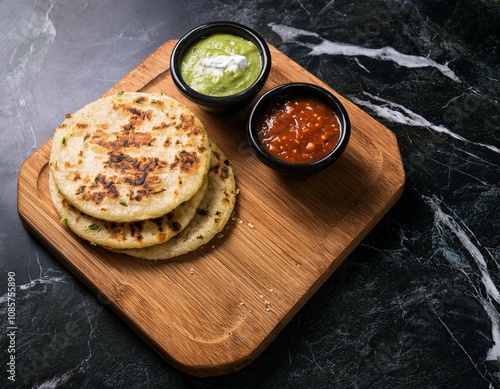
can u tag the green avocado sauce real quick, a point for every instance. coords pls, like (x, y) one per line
(221, 65)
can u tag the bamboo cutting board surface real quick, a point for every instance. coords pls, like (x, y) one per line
(215, 310)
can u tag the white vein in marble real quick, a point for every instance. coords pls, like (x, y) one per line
(446, 224)
(27, 37)
(397, 114)
(45, 278)
(387, 53)
(61, 379)
(390, 111)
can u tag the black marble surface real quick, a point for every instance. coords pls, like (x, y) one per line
(416, 305)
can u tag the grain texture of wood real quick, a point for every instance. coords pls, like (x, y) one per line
(214, 311)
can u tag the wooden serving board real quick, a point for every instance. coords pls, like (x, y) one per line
(214, 311)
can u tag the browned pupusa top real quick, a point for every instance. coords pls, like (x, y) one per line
(129, 157)
(211, 216)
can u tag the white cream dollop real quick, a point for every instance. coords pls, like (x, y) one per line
(218, 64)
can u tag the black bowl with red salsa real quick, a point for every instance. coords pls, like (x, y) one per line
(298, 128)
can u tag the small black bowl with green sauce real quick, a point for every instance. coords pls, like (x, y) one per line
(221, 66)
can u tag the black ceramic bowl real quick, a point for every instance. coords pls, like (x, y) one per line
(282, 93)
(225, 104)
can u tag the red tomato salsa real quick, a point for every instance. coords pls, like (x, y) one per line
(299, 130)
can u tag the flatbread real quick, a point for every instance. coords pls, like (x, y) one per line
(125, 235)
(129, 157)
(212, 215)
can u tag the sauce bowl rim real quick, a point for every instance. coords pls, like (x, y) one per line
(207, 29)
(282, 92)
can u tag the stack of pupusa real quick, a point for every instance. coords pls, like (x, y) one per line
(137, 174)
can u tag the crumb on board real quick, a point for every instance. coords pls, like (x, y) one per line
(240, 221)
(267, 303)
